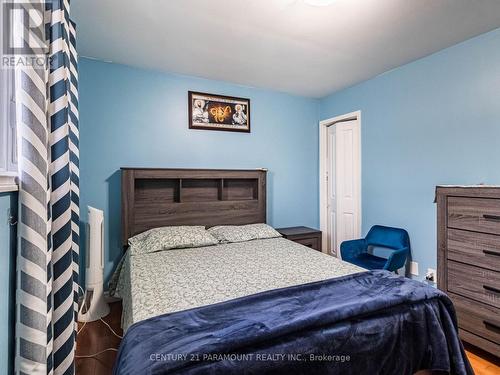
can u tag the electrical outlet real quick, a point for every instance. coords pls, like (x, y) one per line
(414, 268)
(431, 275)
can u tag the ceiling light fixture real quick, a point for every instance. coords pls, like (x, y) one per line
(319, 3)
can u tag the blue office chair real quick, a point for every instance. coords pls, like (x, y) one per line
(357, 251)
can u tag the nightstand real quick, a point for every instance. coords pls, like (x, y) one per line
(306, 236)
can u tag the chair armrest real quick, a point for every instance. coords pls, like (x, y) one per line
(349, 249)
(396, 260)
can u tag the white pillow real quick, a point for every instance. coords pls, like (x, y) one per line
(242, 233)
(166, 238)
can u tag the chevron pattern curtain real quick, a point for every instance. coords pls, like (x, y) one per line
(47, 259)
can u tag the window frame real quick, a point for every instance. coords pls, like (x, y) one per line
(8, 136)
(8, 162)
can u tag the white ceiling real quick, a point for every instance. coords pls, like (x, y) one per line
(284, 45)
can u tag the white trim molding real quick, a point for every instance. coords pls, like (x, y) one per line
(8, 182)
(8, 136)
(323, 179)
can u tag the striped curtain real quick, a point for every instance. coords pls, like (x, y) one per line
(47, 259)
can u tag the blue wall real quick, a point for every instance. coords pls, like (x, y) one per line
(132, 117)
(8, 205)
(434, 121)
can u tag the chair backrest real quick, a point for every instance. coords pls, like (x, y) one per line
(393, 238)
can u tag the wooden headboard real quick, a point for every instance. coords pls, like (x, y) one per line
(156, 197)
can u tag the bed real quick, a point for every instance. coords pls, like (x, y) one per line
(263, 305)
(176, 280)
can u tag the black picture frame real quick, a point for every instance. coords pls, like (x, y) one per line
(218, 112)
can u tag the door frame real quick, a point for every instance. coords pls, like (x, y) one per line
(323, 182)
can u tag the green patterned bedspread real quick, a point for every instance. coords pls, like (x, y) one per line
(173, 280)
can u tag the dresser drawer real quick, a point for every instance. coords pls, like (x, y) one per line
(475, 214)
(313, 243)
(474, 282)
(304, 235)
(482, 250)
(482, 320)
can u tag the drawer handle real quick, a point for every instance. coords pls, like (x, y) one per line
(491, 252)
(491, 289)
(491, 326)
(491, 217)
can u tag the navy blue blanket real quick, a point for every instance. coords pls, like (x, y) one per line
(368, 323)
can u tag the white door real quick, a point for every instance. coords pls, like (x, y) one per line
(343, 184)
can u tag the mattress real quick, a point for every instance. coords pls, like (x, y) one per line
(173, 280)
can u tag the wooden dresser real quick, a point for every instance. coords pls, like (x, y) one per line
(304, 235)
(468, 239)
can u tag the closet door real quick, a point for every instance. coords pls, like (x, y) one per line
(343, 184)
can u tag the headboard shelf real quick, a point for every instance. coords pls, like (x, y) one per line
(159, 197)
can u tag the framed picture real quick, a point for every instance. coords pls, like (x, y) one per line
(218, 112)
